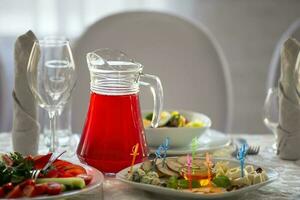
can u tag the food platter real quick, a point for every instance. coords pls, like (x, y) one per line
(271, 174)
(96, 184)
(46, 177)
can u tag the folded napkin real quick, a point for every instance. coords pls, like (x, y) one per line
(288, 130)
(25, 131)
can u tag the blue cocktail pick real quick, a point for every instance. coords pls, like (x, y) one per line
(241, 157)
(161, 151)
(158, 151)
(165, 147)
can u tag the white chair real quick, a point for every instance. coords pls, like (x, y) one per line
(274, 68)
(185, 56)
(1, 96)
(6, 82)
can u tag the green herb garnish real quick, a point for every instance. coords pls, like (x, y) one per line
(16, 172)
(222, 181)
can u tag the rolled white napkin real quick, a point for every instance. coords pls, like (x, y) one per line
(288, 130)
(25, 131)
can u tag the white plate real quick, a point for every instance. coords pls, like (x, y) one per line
(272, 176)
(209, 141)
(97, 182)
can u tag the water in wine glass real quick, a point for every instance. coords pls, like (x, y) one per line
(57, 72)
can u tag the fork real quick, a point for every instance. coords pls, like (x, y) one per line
(252, 150)
(35, 173)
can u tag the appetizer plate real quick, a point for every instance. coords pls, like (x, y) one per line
(96, 183)
(209, 141)
(272, 176)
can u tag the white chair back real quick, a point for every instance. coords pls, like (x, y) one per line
(186, 57)
(1, 96)
(6, 82)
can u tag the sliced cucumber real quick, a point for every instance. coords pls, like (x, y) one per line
(70, 183)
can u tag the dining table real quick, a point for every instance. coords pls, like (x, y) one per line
(287, 186)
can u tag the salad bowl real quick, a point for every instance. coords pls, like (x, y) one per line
(182, 136)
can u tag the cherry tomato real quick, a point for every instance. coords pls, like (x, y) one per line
(41, 188)
(29, 191)
(34, 190)
(15, 193)
(8, 187)
(87, 178)
(2, 193)
(27, 182)
(54, 188)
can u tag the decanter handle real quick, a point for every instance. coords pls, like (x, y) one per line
(157, 91)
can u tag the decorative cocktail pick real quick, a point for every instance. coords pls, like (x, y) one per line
(165, 147)
(194, 147)
(134, 153)
(157, 154)
(241, 157)
(209, 165)
(189, 173)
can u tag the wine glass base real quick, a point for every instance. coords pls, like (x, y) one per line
(67, 143)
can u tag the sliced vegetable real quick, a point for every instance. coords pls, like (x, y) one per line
(16, 192)
(87, 178)
(29, 191)
(41, 189)
(69, 169)
(74, 170)
(41, 160)
(54, 188)
(70, 183)
(2, 193)
(8, 187)
(52, 173)
(27, 182)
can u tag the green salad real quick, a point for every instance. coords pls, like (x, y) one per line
(173, 119)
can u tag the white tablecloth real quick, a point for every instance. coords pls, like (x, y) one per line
(287, 186)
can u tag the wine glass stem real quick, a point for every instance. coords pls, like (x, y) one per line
(52, 118)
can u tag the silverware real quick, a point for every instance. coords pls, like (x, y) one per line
(252, 149)
(35, 173)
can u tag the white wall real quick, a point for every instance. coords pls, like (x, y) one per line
(246, 30)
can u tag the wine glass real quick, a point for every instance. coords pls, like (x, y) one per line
(271, 112)
(51, 76)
